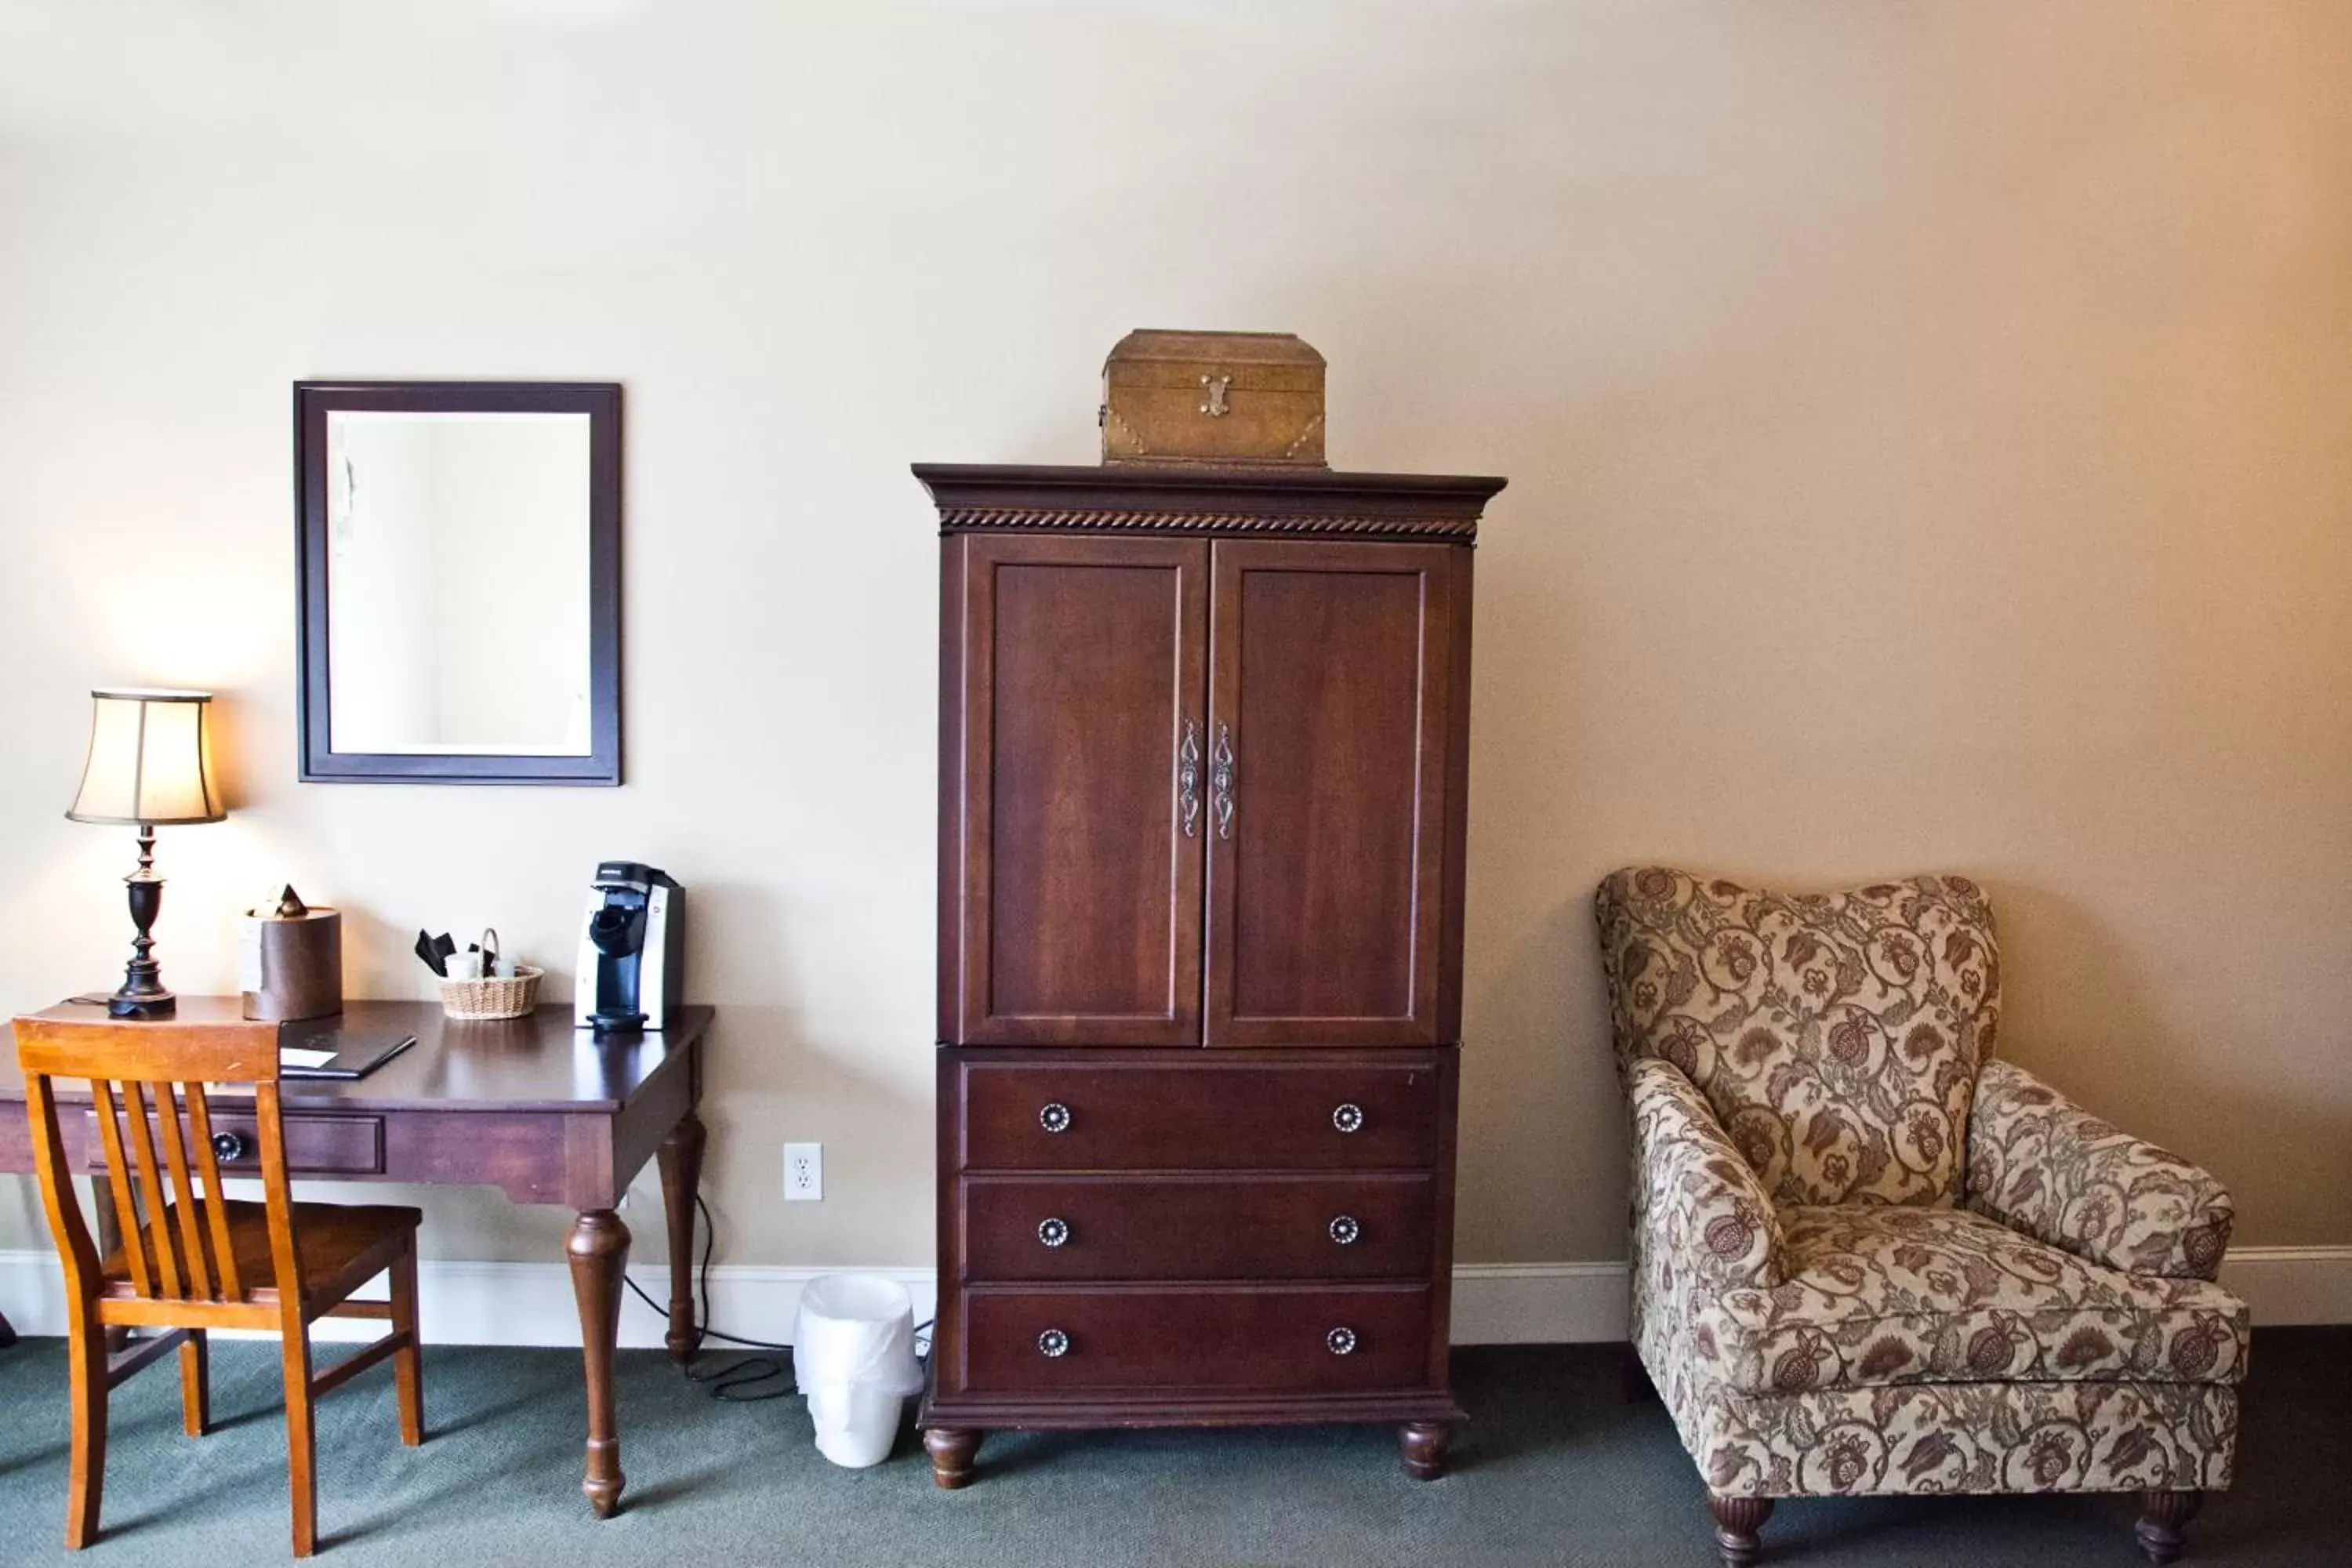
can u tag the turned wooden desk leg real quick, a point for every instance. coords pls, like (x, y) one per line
(598, 1248)
(681, 1177)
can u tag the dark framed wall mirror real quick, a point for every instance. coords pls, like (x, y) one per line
(459, 560)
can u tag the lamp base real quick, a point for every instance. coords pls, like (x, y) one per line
(129, 1004)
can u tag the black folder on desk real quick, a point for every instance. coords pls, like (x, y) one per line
(352, 1053)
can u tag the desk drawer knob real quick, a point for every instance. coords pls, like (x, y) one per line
(1347, 1118)
(1053, 1232)
(1055, 1118)
(1344, 1230)
(1340, 1341)
(1053, 1342)
(231, 1147)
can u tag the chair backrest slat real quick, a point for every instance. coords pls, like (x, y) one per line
(126, 1213)
(176, 1160)
(151, 1190)
(200, 1127)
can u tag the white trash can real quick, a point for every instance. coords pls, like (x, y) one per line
(854, 1356)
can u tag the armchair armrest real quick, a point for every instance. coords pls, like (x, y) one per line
(2040, 1163)
(1703, 1203)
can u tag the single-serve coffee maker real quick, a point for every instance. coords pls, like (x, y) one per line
(632, 957)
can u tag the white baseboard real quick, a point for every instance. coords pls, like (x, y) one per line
(1540, 1303)
(2284, 1286)
(1494, 1303)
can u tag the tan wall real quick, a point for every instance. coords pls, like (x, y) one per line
(1929, 427)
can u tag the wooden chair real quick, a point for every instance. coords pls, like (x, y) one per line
(192, 1261)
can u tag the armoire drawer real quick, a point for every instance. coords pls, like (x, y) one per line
(1082, 1115)
(1270, 1338)
(1197, 1228)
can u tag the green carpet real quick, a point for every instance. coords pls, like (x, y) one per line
(1558, 1468)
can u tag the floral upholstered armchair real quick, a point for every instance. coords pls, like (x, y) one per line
(1870, 1258)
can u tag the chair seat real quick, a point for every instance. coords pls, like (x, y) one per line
(1877, 1295)
(341, 1245)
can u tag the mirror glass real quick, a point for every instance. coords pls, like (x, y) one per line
(457, 583)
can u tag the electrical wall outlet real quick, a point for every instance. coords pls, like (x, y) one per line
(804, 1172)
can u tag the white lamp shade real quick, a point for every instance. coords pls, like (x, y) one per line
(148, 760)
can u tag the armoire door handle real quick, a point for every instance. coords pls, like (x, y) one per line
(1221, 780)
(1188, 778)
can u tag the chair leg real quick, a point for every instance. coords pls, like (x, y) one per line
(195, 1383)
(1737, 1521)
(2163, 1528)
(408, 1364)
(301, 1439)
(85, 1356)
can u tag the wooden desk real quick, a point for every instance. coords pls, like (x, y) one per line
(549, 1115)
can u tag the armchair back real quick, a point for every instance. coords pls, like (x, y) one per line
(1837, 1036)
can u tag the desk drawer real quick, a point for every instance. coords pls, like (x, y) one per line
(1187, 1227)
(316, 1145)
(1082, 1114)
(1271, 1339)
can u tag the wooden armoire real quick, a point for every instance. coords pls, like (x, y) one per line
(1204, 758)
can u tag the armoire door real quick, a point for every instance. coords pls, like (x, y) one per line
(1082, 790)
(1330, 713)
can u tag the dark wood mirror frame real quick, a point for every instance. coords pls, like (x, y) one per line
(601, 401)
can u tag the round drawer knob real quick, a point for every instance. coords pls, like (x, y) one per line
(1053, 1342)
(1347, 1118)
(1340, 1341)
(1053, 1232)
(1344, 1230)
(231, 1147)
(1055, 1118)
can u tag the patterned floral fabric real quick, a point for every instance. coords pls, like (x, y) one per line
(2059, 1335)
(1940, 1438)
(1873, 1295)
(2041, 1164)
(1712, 1212)
(1837, 1036)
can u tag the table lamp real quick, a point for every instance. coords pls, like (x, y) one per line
(147, 767)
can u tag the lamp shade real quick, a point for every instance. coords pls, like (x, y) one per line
(148, 760)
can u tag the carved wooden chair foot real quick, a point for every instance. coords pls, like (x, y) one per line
(1738, 1521)
(2163, 1528)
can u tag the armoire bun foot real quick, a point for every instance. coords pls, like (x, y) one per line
(952, 1450)
(1426, 1445)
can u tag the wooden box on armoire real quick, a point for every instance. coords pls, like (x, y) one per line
(1203, 768)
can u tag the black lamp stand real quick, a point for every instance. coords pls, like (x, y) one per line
(143, 994)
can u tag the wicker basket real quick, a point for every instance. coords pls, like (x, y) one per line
(508, 997)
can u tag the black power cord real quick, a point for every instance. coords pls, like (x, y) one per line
(746, 1379)
(744, 1373)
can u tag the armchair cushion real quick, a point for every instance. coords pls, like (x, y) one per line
(2043, 1165)
(1703, 1206)
(1835, 1036)
(1874, 1296)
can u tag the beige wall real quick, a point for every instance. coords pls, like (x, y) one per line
(1927, 427)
